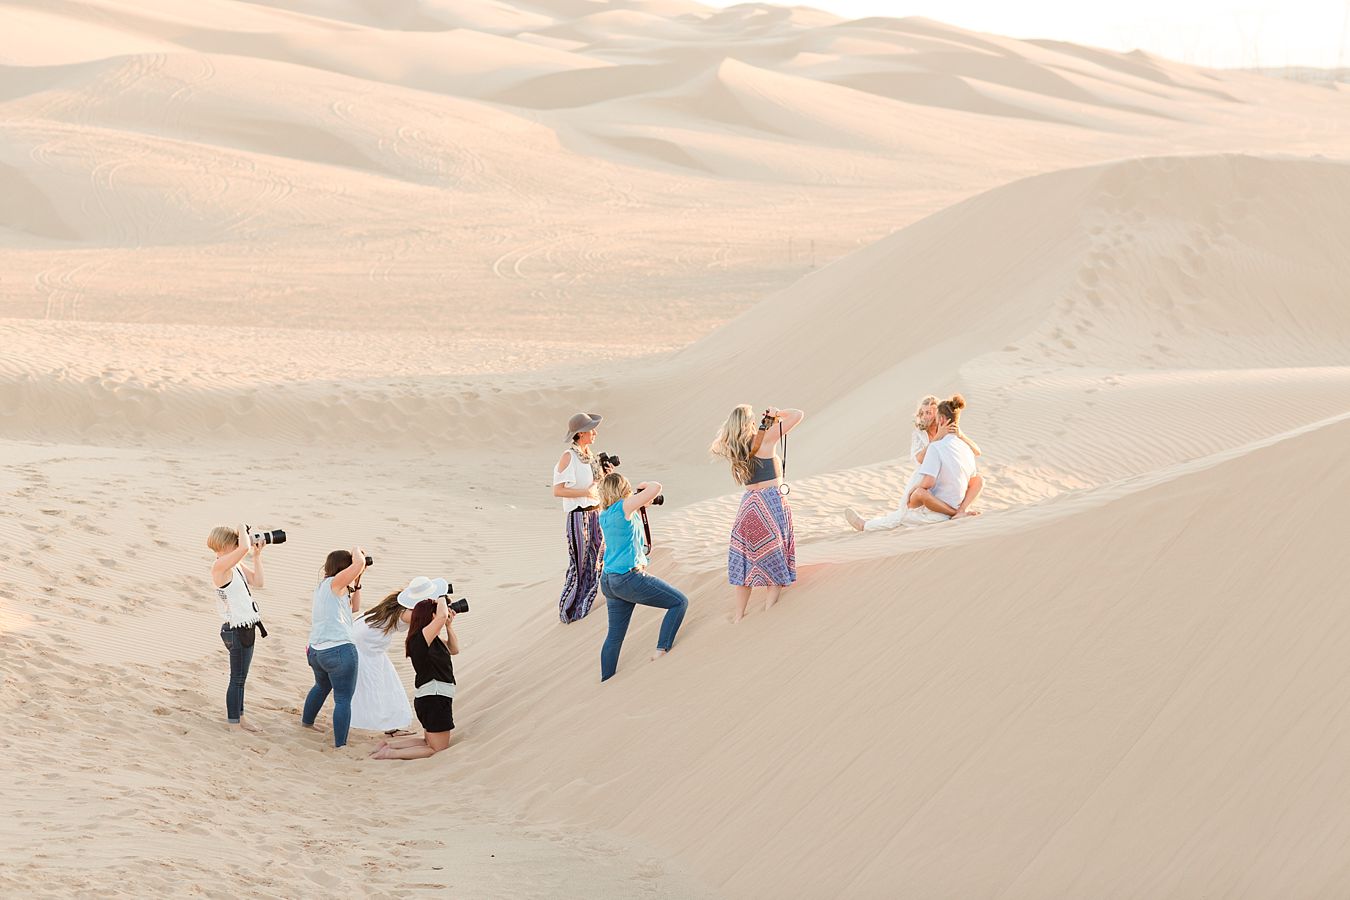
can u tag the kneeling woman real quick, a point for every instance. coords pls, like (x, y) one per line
(625, 582)
(433, 700)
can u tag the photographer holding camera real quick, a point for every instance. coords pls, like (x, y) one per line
(433, 699)
(574, 482)
(763, 550)
(332, 652)
(234, 584)
(625, 581)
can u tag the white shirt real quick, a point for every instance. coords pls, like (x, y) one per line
(576, 474)
(952, 465)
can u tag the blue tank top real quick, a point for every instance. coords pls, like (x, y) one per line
(763, 469)
(623, 540)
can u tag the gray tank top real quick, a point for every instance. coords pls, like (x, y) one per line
(764, 469)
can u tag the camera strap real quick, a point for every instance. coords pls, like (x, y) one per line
(646, 528)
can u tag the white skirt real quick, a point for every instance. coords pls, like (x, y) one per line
(380, 702)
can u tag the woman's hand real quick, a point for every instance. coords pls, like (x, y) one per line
(943, 429)
(774, 412)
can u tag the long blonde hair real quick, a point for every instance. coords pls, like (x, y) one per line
(929, 400)
(734, 442)
(613, 489)
(384, 616)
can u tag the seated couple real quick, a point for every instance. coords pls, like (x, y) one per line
(946, 482)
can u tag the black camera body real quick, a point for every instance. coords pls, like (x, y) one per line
(609, 463)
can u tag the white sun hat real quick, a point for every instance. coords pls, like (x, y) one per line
(422, 588)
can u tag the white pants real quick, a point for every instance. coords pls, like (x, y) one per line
(907, 517)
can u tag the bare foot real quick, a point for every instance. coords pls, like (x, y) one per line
(970, 513)
(315, 727)
(852, 517)
(248, 726)
(658, 654)
(736, 618)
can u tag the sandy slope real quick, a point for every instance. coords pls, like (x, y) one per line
(344, 267)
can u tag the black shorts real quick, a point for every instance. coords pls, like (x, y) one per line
(435, 713)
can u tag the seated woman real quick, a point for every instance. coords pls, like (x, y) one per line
(625, 582)
(380, 702)
(434, 697)
(927, 431)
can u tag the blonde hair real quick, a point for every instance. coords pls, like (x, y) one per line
(928, 400)
(222, 538)
(734, 441)
(385, 615)
(613, 489)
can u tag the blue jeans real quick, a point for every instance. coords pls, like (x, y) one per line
(335, 671)
(240, 658)
(622, 592)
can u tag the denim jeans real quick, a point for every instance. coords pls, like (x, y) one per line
(240, 658)
(335, 671)
(622, 592)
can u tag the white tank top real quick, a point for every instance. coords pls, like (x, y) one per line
(235, 601)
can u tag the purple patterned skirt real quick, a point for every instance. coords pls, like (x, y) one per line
(763, 549)
(586, 553)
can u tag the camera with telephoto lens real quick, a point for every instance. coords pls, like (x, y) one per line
(458, 606)
(266, 537)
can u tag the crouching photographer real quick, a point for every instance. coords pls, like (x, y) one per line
(625, 582)
(433, 699)
(241, 620)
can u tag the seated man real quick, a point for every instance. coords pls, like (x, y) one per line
(948, 483)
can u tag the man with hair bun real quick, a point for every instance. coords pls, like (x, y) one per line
(948, 481)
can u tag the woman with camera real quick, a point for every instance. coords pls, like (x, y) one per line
(435, 675)
(574, 482)
(625, 581)
(380, 703)
(763, 549)
(234, 584)
(332, 652)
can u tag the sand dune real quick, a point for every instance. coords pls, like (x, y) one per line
(344, 267)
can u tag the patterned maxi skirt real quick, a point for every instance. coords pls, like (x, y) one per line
(763, 549)
(586, 553)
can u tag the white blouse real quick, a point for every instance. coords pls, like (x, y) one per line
(576, 474)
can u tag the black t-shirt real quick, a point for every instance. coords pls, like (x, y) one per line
(430, 663)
